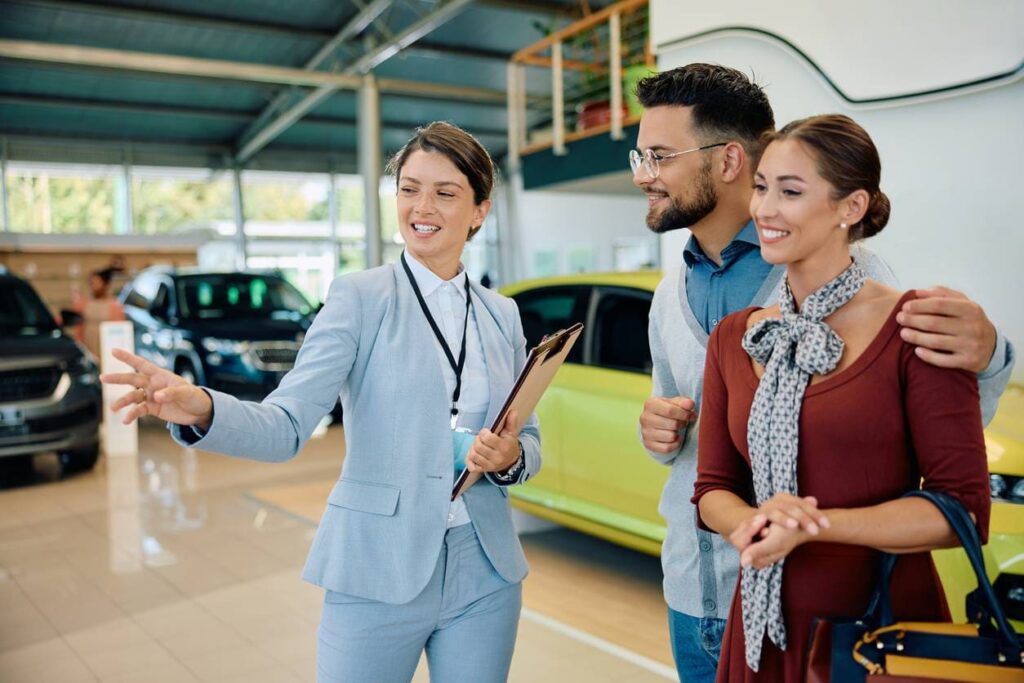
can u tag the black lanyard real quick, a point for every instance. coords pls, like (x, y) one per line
(456, 366)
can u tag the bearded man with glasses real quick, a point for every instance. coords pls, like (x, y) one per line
(698, 144)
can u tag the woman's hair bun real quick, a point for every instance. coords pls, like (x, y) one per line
(875, 218)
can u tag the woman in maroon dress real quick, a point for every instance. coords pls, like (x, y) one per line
(817, 417)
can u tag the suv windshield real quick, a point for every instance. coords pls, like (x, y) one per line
(205, 297)
(21, 311)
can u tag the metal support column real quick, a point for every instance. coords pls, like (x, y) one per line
(240, 243)
(3, 184)
(126, 205)
(558, 99)
(514, 143)
(511, 255)
(370, 166)
(615, 73)
(332, 218)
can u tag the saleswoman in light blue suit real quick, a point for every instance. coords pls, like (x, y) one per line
(420, 356)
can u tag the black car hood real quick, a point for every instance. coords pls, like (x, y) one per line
(246, 329)
(44, 345)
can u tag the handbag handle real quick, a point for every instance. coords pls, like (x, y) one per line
(879, 612)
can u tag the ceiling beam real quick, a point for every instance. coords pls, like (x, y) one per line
(352, 28)
(126, 60)
(441, 50)
(225, 23)
(174, 65)
(266, 118)
(262, 133)
(120, 106)
(181, 154)
(218, 23)
(531, 6)
(247, 25)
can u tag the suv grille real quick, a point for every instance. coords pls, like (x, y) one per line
(274, 355)
(58, 423)
(52, 424)
(19, 385)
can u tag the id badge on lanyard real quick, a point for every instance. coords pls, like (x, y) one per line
(462, 439)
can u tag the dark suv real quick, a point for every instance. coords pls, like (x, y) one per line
(50, 398)
(234, 332)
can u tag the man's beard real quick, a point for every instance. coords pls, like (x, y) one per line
(679, 215)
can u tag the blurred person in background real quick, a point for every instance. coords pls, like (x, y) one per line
(101, 306)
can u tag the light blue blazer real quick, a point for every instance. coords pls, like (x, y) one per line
(386, 517)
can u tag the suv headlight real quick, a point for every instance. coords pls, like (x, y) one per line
(1006, 489)
(225, 346)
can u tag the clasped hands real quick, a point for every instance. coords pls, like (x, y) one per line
(774, 530)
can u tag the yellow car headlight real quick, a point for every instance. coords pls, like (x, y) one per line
(1010, 592)
(1006, 489)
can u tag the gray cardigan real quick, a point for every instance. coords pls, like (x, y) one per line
(701, 567)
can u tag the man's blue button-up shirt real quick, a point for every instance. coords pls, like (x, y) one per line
(714, 291)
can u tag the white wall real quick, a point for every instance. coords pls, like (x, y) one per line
(871, 48)
(951, 167)
(567, 222)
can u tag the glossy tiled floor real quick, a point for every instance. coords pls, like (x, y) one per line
(167, 567)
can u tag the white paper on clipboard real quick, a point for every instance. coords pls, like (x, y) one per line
(541, 366)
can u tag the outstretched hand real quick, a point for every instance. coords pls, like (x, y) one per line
(159, 393)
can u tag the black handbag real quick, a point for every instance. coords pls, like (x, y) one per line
(876, 647)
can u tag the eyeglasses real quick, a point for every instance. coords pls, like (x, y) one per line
(651, 162)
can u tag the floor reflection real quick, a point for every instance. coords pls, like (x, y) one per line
(169, 566)
(164, 482)
(124, 525)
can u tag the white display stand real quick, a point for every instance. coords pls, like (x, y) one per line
(117, 438)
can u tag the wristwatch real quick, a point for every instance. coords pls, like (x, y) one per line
(511, 475)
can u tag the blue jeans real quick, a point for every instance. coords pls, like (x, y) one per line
(696, 642)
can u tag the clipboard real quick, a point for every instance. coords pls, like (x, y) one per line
(541, 366)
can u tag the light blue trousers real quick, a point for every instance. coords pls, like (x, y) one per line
(466, 619)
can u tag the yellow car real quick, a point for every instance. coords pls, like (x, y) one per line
(598, 479)
(596, 476)
(1004, 554)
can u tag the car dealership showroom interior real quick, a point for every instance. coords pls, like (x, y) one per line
(473, 341)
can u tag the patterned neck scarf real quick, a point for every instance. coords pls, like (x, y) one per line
(791, 349)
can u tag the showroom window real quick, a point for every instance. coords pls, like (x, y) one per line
(169, 200)
(63, 198)
(548, 310)
(620, 339)
(289, 227)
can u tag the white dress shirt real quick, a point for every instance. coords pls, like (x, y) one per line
(446, 301)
